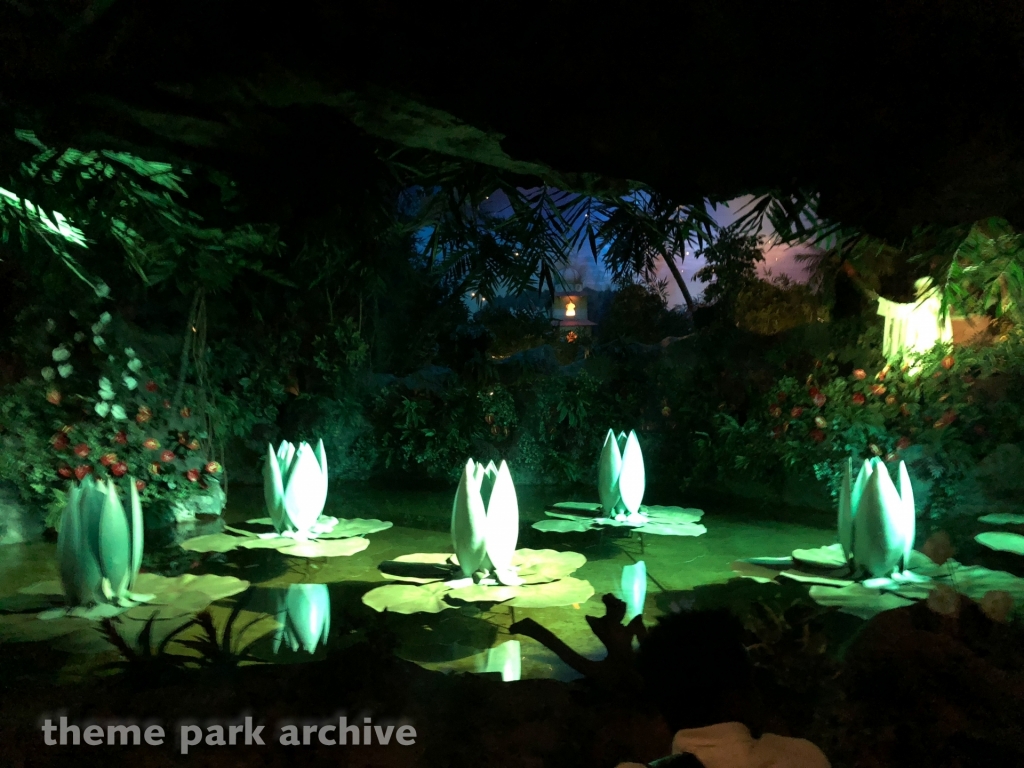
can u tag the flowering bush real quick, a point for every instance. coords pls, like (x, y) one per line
(98, 410)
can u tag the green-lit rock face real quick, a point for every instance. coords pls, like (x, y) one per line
(100, 545)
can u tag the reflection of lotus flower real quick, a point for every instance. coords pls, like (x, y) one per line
(634, 588)
(304, 612)
(876, 521)
(485, 521)
(620, 475)
(507, 659)
(295, 486)
(99, 547)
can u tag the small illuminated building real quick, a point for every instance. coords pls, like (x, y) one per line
(569, 315)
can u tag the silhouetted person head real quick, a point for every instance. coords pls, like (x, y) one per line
(696, 670)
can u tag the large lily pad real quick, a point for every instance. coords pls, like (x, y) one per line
(545, 574)
(858, 600)
(1002, 541)
(341, 540)
(172, 598)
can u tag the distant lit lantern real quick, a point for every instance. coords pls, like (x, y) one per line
(569, 314)
(570, 309)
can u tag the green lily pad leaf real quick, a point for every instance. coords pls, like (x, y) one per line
(563, 526)
(536, 566)
(815, 578)
(48, 587)
(1002, 541)
(672, 528)
(406, 598)
(976, 581)
(1002, 518)
(679, 514)
(831, 556)
(331, 548)
(356, 527)
(567, 591)
(213, 542)
(27, 628)
(579, 507)
(420, 568)
(857, 600)
(755, 571)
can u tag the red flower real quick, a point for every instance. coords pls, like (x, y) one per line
(193, 445)
(819, 399)
(151, 386)
(813, 391)
(816, 435)
(213, 467)
(820, 422)
(883, 373)
(192, 475)
(121, 438)
(140, 485)
(860, 374)
(948, 417)
(948, 362)
(65, 472)
(775, 411)
(82, 470)
(53, 397)
(150, 444)
(797, 412)
(858, 398)
(877, 389)
(108, 458)
(60, 441)
(903, 443)
(182, 438)
(81, 450)
(185, 412)
(166, 456)
(119, 469)
(144, 414)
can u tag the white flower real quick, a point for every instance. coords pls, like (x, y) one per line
(60, 354)
(48, 374)
(485, 522)
(304, 613)
(79, 336)
(99, 547)
(98, 341)
(129, 351)
(621, 478)
(877, 522)
(295, 486)
(106, 389)
(129, 382)
(102, 408)
(118, 412)
(65, 370)
(135, 365)
(51, 325)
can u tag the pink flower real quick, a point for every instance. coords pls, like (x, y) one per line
(82, 470)
(858, 398)
(860, 374)
(53, 397)
(819, 399)
(60, 441)
(140, 485)
(121, 438)
(81, 450)
(948, 362)
(166, 456)
(119, 469)
(903, 443)
(213, 467)
(877, 389)
(108, 458)
(192, 475)
(65, 472)
(797, 412)
(150, 444)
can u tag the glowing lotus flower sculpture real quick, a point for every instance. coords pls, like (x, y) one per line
(485, 523)
(99, 547)
(621, 479)
(304, 613)
(295, 489)
(876, 519)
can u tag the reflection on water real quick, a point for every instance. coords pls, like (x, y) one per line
(304, 613)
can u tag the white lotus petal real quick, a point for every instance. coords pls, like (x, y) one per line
(608, 469)
(907, 520)
(501, 533)
(70, 542)
(468, 520)
(138, 533)
(303, 490)
(115, 544)
(632, 477)
(846, 509)
(273, 489)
